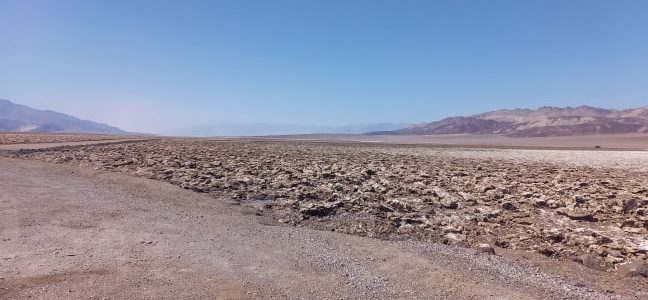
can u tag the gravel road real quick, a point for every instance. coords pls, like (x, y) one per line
(68, 232)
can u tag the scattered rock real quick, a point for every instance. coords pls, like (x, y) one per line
(485, 248)
(548, 251)
(581, 215)
(629, 205)
(509, 206)
(454, 238)
(319, 209)
(555, 236)
(633, 269)
(590, 261)
(449, 203)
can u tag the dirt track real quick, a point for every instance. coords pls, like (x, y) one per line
(73, 233)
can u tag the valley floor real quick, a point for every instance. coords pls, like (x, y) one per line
(72, 230)
(72, 233)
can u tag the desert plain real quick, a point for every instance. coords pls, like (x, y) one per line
(327, 217)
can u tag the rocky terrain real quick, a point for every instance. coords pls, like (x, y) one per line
(593, 214)
(544, 121)
(75, 233)
(35, 138)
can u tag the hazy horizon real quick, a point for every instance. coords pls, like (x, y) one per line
(174, 67)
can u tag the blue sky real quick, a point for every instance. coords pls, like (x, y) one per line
(170, 66)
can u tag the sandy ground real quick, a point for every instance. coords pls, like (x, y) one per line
(68, 233)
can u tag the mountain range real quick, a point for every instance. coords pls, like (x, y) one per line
(544, 121)
(21, 118)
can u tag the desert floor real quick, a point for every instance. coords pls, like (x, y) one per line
(284, 218)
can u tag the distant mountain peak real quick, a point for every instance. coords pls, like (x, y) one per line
(543, 121)
(21, 118)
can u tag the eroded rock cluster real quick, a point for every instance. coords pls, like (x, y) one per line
(362, 189)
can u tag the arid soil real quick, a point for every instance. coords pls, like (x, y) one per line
(589, 213)
(33, 138)
(68, 232)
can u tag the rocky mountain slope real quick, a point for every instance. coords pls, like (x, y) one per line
(544, 121)
(21, 118)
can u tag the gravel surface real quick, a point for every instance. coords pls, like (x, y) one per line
(73, 233)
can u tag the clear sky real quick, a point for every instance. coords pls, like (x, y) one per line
(169, 66)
